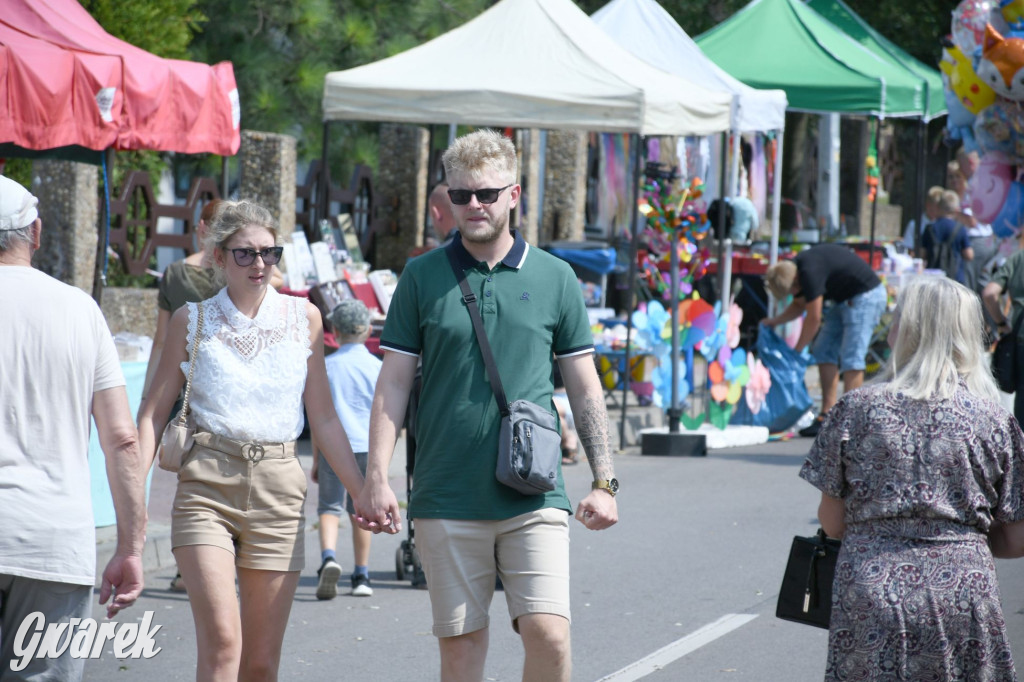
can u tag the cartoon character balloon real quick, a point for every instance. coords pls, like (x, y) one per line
(969, 20)
(972, 92)
(1000, 128)
(1013, 13)
(990, 185)
(1011, 216)
(1002, 64)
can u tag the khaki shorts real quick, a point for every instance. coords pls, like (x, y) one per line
(231, 498)
(529, 552)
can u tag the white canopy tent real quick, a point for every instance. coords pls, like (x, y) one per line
(648, 31)
(527, 64)
(530, 64)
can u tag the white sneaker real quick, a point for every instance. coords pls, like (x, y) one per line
(361, 586)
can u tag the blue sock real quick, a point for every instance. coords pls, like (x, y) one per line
(327, 554)
(361, 570)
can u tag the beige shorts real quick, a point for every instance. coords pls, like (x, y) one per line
(461, 558)
(229, 496)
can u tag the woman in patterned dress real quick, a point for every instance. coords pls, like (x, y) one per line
(238, 507)
(919, 473)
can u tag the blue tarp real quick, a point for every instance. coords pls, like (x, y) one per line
(601, 261)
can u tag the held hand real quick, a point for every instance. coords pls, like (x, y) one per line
(598, 510)
(377, 510)
(123, 579)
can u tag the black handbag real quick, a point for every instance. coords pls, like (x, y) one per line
(806, 592)
(1004, 359)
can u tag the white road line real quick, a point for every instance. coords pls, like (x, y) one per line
(679, 648)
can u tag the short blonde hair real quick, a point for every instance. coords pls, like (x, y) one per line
(934, 195)
(779, 278)
(479, 152)
(949, 202)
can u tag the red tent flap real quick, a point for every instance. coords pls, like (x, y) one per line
(64, 80)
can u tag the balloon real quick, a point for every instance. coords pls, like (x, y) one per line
(969, 19)
(1001, 62)
(1000, 128)
(1013, 13)
(990, 186)
(959, 78)
(1011, 217)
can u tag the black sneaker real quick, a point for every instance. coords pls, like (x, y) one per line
(812, 430)
(328, 574)
(361, 586)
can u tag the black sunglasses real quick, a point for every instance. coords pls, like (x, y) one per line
(461, 197)
(245, 257)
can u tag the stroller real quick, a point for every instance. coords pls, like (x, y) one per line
(407, 559)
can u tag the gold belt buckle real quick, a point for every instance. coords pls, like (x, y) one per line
(253, 452)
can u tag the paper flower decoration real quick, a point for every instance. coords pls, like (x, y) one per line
(758, 386)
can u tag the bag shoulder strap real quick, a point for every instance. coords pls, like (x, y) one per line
(183, 415)
(469, 298)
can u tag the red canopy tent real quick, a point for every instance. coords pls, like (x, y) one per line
(65, 81)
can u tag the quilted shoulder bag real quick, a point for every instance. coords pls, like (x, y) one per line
(178, 434)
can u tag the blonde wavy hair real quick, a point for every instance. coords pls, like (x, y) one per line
(479, 152)
(231, 216)
(939, 340)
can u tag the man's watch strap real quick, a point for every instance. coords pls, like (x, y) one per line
(610, 486)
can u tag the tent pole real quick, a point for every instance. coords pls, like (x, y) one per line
(99, 279)
(874, 203)
(773, 249)
(224, 178)
(922, 142)
(634, 239)
(734, 172)
(323, 198)
(721, 232)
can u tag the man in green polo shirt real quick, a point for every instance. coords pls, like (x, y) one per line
(469, 527)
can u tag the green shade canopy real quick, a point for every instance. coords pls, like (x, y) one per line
(786, 45)
(840, 14)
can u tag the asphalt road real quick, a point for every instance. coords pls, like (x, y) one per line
(683, 588)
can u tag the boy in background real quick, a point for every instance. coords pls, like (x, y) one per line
(352, 372)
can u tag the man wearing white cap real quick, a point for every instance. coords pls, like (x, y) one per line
(59, 367)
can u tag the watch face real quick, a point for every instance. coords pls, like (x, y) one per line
(613, 485)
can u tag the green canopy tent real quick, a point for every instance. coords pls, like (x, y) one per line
(840, 14)
(784, 44)
(790, 46)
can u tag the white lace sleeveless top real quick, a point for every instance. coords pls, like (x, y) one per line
(250, 373)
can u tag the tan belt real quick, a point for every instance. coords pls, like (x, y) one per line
(247, 450)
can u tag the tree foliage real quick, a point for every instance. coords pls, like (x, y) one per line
(282, 51)
(914, 25)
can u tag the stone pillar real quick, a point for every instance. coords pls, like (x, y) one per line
(268, 175)
(401, 194)
(68, 194)
(529, 174)
(565, 182)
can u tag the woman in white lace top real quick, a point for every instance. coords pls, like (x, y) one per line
(238, 509)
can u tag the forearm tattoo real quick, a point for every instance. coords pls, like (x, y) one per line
(592, 428)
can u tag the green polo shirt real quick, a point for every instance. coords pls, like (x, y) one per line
(1010, 278)
(533, 312)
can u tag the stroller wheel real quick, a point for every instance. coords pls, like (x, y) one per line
(400, 563)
